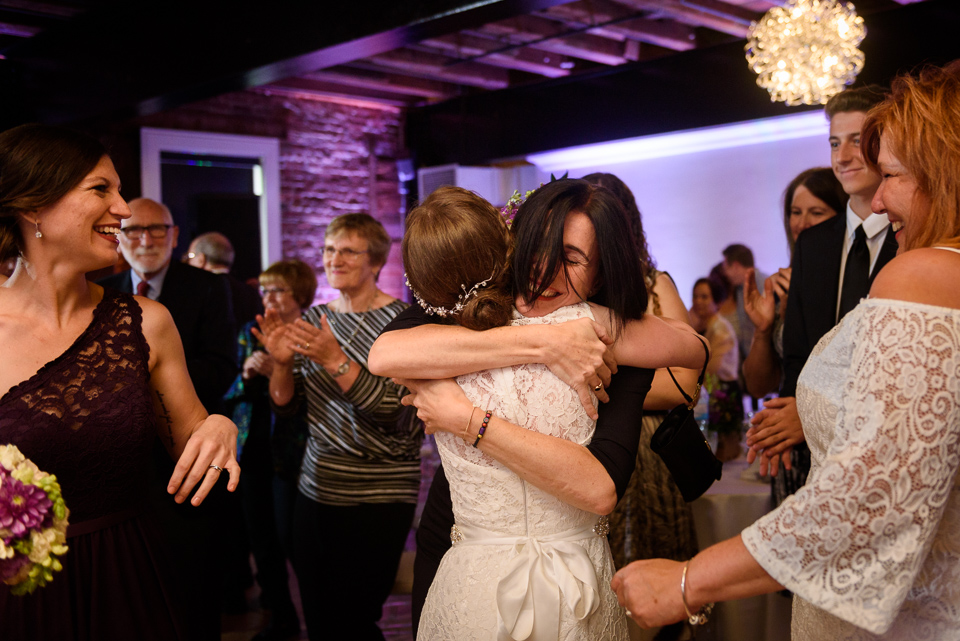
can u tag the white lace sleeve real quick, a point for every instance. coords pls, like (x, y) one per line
(854, 539)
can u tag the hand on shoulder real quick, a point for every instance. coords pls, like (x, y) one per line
(926, 275)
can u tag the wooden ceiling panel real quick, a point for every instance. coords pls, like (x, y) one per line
(412, 52)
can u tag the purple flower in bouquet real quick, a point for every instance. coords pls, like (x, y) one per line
(33, 523)
(11, 567)
(23, 507)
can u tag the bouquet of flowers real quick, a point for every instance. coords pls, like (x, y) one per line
(33, 523)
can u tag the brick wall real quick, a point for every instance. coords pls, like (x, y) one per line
(324, 163)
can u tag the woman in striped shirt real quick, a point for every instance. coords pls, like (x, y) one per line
(361, 471)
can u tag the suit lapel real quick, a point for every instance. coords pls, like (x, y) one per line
(827, 270)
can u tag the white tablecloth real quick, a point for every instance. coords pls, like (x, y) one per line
(729, 506)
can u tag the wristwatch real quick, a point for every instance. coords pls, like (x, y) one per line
(343, 369)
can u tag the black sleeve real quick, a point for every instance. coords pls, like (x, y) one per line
(411, 317)
(795, 343)
(617, 437)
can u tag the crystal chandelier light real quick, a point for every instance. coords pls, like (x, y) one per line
(806, 51)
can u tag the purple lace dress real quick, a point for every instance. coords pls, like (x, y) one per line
(87, 416)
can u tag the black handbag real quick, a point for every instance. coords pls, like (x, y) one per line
(682, 446)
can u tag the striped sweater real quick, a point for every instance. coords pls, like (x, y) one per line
(363, 446)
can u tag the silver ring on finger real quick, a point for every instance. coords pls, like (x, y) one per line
(215, 467)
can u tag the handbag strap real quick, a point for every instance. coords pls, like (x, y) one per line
(703, 373)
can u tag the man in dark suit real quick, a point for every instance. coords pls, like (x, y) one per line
(200, 305)
(835, 262)
(213, 252)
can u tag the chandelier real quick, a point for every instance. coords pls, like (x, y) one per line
(806, 51)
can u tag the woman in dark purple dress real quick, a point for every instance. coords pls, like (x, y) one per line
(88, 378)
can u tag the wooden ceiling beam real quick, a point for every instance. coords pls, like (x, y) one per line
(18, 30)
(386, 82)
(486, 51)
(683, 11)
(40, 8)
(548, 35)
(437, 67)
(723, 10)
(620, 23)
(300, 87)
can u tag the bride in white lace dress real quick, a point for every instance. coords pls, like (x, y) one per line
(870, 545)
(530, 559)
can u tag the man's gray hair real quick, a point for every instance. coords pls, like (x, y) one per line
(216, 247)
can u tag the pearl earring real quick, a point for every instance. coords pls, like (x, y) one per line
(39, 234)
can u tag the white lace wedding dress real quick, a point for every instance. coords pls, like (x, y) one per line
(524, 565)
(871, 544)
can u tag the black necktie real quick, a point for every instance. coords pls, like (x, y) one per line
(856, 275)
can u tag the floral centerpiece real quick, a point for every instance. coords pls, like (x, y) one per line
(33, 523)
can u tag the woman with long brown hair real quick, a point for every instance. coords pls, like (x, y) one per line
(90, 377)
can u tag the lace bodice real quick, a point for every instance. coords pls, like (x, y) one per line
(873, 538)
(87, 416)
(531, 396)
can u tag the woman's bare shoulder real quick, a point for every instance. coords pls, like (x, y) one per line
(927, 275)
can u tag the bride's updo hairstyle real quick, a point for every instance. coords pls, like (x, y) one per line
(454, 241)
(39, 164)
(539, 254)
(921, 121)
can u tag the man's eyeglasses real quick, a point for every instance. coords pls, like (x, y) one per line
(273, 290)
(135, 232)
(346, 254)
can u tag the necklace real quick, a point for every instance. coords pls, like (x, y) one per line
(356, 329)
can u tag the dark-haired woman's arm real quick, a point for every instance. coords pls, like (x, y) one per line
(574, 351)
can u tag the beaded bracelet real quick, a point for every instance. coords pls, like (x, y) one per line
(483, 427)
(466, 430)
(701, 616)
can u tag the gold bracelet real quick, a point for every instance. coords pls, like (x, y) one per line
(700, 616)
(466, 430)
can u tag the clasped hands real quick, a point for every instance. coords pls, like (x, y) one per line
(284, 340)
(774, 431)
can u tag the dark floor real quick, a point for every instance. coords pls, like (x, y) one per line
(395, 623)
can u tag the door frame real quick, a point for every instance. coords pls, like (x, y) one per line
(154, 141)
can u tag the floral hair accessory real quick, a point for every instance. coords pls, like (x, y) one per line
(509, 211)
(33, 523)
(443, 312)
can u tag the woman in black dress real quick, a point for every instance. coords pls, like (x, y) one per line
(89, 377)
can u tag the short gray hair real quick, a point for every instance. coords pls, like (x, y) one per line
(216, 247)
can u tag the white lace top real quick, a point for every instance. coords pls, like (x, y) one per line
(871, 543)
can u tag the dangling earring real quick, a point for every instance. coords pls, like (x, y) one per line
(39, 234)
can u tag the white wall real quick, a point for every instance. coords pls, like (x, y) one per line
(697, 203)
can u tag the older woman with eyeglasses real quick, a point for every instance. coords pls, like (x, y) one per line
(360, 475)
(271, 446)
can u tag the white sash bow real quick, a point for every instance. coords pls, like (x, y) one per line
(528, 595)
